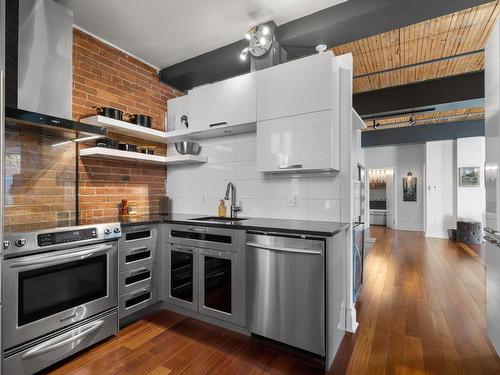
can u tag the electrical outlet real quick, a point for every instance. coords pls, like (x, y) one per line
(293, 201)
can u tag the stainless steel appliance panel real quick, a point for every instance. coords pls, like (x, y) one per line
(53, 349)
(182, 276)
(135, 279)
(137, 247)
(134, 301)
(286, 290)
(203, 237)
(220, 285)
(30, 283)
(492, 290)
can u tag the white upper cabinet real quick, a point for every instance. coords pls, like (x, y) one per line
(307, 142)
(225, 103)
(296, 87)
(176, 109)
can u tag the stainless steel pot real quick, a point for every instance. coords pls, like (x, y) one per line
(186, 147)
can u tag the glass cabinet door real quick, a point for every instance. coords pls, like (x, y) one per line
(181, 275)
(217, 283)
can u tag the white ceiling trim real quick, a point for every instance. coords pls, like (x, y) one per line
(115, 46)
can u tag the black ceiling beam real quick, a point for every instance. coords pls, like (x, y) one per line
(423, 133)
(422, 94)
(342, 23)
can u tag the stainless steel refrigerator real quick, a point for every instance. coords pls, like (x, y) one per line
(492, 185)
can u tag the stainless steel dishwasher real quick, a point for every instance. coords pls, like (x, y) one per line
(286, 289)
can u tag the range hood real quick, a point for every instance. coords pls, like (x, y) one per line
(20, 120)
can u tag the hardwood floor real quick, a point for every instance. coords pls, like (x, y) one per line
(422, 311)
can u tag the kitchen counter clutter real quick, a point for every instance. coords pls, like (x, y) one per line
(314, 228)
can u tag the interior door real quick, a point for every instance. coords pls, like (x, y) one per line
(391, 201)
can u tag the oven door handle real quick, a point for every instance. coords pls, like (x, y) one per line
(56, 259)
(65, 339)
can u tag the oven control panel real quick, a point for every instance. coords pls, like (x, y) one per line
(56, 238)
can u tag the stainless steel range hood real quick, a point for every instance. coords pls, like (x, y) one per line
(20, 120)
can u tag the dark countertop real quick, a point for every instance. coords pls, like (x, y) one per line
(316, 228)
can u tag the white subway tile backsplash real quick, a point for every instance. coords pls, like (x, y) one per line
(224, 153)
(254, 207)
(324, 188)
(246, 151)
(283, 187)
(247, 170)
(252, 189)
(324, 210)
(197, 189)
(216, 172)
(278, 208)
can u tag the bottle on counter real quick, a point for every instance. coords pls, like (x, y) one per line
(222, 210)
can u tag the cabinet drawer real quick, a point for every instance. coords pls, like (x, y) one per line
(203, 237)
(136, 257)
(136, 278)
(134, 301)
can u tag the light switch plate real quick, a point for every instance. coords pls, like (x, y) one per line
(293, 201)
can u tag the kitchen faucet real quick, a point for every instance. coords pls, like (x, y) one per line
(234, 209)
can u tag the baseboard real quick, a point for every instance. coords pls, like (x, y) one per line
(436, 234)
(208, 319)
(409, 227)
(351, 325)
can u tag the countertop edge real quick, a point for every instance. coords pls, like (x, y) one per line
(241, 226)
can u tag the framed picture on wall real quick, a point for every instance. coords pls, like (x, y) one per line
(409, 189)
(468, 176)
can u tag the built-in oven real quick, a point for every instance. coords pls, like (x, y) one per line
(48, 291)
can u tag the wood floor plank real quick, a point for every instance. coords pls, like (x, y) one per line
(421, 311)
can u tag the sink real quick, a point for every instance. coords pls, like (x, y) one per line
(218, 219)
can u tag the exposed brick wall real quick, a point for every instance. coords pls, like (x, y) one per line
(103, 75)
(41, 179)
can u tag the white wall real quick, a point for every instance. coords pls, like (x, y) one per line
(471, 201)
(197, 189)
(404, 158)
(441, 188)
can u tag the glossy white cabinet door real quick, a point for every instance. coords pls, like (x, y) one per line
(305, 142)
(297, 87)
(176, 108)
(226, 103)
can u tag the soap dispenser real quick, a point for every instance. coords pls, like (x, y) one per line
(222, 208)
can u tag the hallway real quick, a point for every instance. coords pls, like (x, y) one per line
(422, 309)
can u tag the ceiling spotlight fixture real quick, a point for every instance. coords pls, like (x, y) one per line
(412, 121)
(375, 124)
(260, 41)
(244, 54)
(320, 48)
(409, 174)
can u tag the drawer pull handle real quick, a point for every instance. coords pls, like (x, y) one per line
(292, 166)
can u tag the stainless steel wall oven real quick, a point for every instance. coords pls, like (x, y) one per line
(56, 283)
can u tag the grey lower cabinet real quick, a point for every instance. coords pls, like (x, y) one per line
(137, 256)
(205, 272)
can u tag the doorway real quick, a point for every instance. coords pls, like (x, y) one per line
(382, 197)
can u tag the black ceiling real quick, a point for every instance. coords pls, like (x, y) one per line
(343, 23)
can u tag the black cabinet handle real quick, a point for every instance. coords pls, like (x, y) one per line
(218, 124)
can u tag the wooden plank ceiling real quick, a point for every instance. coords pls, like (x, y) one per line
(445, 46)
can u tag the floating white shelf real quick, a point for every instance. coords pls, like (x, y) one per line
(108, 153)
(126, 128)
(147, 134)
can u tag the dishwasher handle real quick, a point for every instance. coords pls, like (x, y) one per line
(284, 249)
